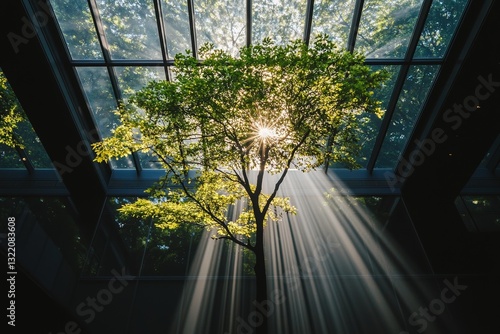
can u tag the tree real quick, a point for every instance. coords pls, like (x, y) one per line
(18, 140)
(228, 123)
(12, 115)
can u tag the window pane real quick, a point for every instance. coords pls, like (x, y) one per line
(130, 28)
(9, 157)
(99, 93)
(176, 21)
(33, 147)
(411, 99)
(48, 220)
(386, 27)
(169, 252)
(280, 20)
(132, 79)
(221, 23)
(484, 211)
(492, 156)
(149, 160)
(333, 18)
(439, 28)
(118, 242)
(77, 27)
(370, 123)
(16, 132)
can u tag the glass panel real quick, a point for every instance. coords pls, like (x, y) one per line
(16, 132)
(176, 21)
(61, 224)
(386, 27)
(77, 27)
(131, 238)
(57, 221)
(411, 99)
(280, 20)
(484, 211)
(170, 252)
(370, 123)
(123, 163)
(439, 28)
(9, 158)
(379, 209)
(119, 242)
(492, 156)
(97, 262)
(132, 79)
(333, 18)
(221, 23)
(99, 93)
(149, 160)
(131, 29)
(33, 147)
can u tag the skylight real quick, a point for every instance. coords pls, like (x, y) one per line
(117, 47)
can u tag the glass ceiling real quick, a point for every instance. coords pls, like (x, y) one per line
(116, 47)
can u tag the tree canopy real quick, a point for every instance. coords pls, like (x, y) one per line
(11, 115)
(226, 122)
(17, 137)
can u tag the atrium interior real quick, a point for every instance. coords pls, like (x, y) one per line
(409, 242)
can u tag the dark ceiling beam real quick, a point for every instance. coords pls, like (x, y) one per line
(42, 182)
(42, 78)
(192, 28)
(163, 35)
(308, 22)
(249, 19)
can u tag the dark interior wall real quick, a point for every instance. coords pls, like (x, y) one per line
(429, 194)
(467, 124)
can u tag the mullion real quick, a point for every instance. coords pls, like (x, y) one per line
(356, 19)
(169, 63)
(162, 35)
(122, 62)
(25, 159)
(192, 28)
(249, 22)
(308, 23)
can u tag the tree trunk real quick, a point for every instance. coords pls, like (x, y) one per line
(261, 304)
